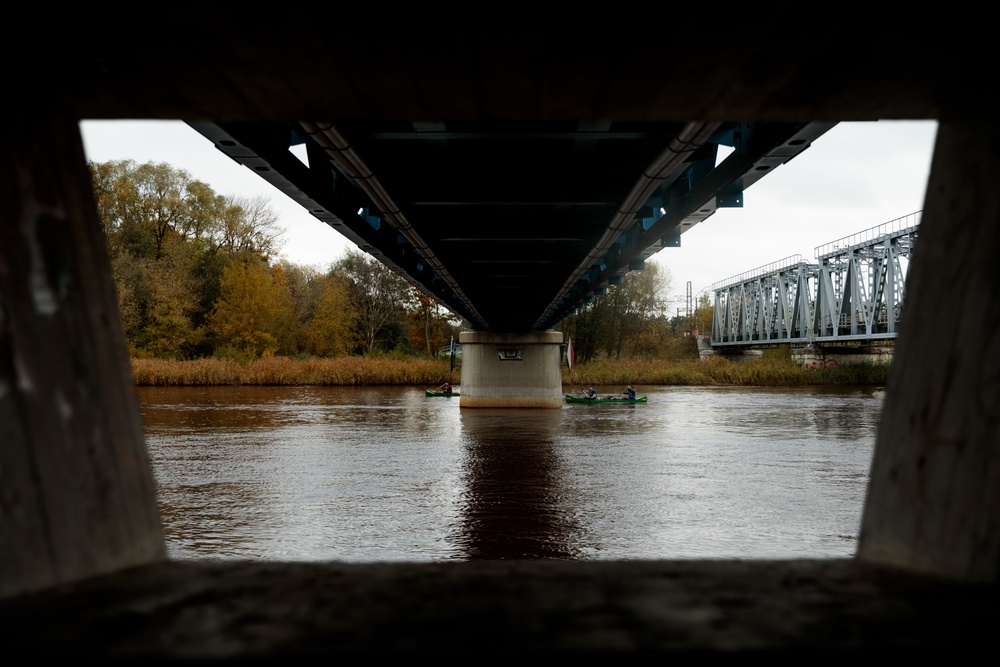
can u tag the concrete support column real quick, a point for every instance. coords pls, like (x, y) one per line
(933, 502)
(77, 495)
(511, 370)
(705, 350)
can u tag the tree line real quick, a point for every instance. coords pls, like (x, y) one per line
(197, 275)
(630, 320)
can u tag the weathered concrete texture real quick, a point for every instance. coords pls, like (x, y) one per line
(255, 610)
(511, 370)
(815, 356)
(77, 495)
(705, 351)
(933, 501)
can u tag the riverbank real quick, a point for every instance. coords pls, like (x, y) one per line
(375, 371)
(719, 371)
(278, 371)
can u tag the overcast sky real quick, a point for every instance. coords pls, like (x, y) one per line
(856, 176)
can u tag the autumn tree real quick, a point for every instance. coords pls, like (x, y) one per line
(134, 287)
(642, 296)
(587, 328)
(247, 225)
(142, 204)
(431, 326)
(330, 330)
(304, 285)
(704, 314)
(255, 315)
(170, 331)
(626, 319)
(378, 297)
(170, 238)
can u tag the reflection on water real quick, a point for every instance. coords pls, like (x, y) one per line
(386, 474)
(514, 504)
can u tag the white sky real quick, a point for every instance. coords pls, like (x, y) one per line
(856, 176)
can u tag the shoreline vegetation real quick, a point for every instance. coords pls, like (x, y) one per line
(414, 371)
(201, 280)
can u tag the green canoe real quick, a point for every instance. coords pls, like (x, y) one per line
(428, 392)
(571, 398)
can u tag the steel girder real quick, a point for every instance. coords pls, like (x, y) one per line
(768, 305)
(862, 282)
(512, 227)
(855, 293)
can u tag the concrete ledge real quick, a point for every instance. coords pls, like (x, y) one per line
(246, 611)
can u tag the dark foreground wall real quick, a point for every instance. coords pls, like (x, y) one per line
(485, 612)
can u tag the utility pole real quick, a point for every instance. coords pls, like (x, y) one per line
(690, 318)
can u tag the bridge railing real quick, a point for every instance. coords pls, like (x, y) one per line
(854, 293)
(869, 237)
(767, 269)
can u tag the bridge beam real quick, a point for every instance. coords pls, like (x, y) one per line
(511, 370)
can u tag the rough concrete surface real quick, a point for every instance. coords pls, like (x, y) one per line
(247, 611)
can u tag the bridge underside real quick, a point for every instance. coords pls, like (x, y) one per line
(513, 225)
(80, 536)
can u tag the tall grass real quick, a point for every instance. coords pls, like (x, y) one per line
(286, 371)
(360, 371)
(719, 371)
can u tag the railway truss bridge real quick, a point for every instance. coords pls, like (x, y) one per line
(851, 297)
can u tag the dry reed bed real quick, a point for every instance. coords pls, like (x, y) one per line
(340, 371)
(361, 371)
(758, 373)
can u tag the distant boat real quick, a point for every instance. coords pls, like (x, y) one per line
(572, 398)
(430, 392)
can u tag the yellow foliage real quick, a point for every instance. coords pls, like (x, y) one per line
(254, 313)
(329, 332)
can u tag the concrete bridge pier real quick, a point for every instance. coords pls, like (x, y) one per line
(511, 370)
(814, 356)
(705, 350)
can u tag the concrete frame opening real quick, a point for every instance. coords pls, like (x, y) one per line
(79, 498)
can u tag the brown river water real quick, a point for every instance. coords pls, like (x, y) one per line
(379, 474)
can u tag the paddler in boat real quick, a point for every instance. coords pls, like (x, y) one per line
(628, 393)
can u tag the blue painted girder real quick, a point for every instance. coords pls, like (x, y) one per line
(513, 226)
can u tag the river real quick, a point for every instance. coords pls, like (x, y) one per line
(379, 474)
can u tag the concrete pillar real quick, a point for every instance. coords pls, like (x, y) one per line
(511, 370)
(933, 501)
(817, 356)
(705, 350)
(77, 495)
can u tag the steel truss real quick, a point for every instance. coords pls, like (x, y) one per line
(854, 293)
